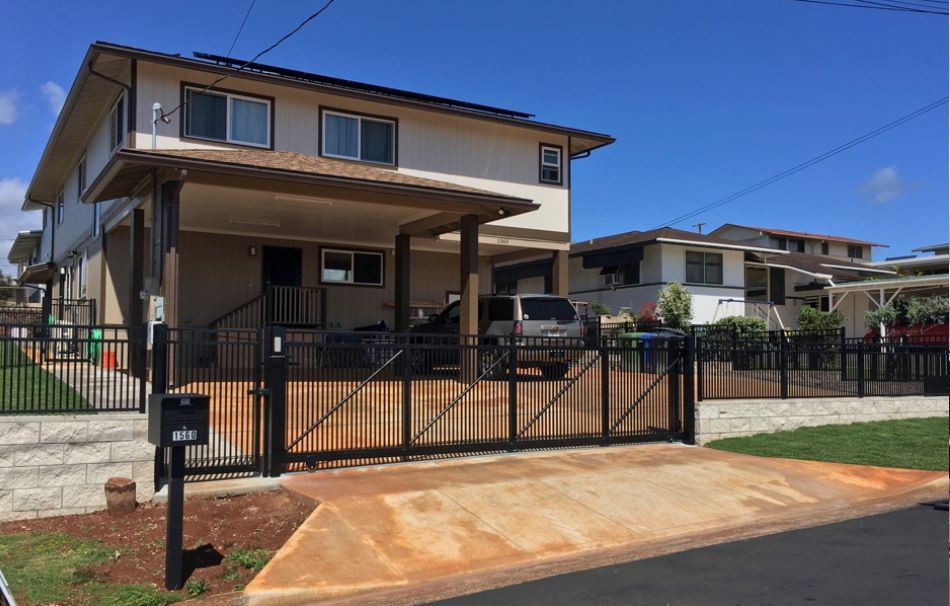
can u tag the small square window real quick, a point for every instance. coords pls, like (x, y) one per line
(703, 267)
(550, 170)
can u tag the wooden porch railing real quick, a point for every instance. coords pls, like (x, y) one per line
(297, 306)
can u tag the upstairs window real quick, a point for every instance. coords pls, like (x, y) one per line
(227, 117)
(356, 137)
(117, 124)
(81, 170)
(362, 268)
(796, 246)
(703, 267)
(855, 252)
(96, 219)
(550, 164)
(60, 208)
(824, 248)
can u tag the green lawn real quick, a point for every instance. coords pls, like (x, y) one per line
(24, 386)
(908, 443)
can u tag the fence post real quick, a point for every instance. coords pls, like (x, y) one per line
(860, 357)
(675, 371)
(604, 390)
(512, 394)
(275, 390)
(842, 346)
(160, 358)
(139, 336)
(689, 401)
(406, 395)
(699, 356)
(783, 366)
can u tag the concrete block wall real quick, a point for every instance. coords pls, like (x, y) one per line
(717, 419)
(58, 465)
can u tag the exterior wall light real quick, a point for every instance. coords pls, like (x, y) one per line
(252, 250)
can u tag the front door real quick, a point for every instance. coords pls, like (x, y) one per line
(281, 266)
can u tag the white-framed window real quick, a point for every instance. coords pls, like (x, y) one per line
(359, 267)
(81, 174)
(96, 219)
(550, 170)
(356, 137)
(60, 208)
(117, 124)
(227, 117)
(703, 267)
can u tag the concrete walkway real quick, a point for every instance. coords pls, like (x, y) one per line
(418, 532)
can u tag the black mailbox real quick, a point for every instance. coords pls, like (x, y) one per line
(178, 419)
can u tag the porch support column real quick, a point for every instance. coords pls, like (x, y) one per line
(136, 265)
(468, 304)
(171, 191)
(136, 281)
(559, 279)
(403, 255)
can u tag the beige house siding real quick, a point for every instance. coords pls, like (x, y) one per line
(218, 274)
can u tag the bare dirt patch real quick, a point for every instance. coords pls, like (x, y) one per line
(226, 540)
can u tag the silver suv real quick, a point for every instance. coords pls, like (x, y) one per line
(530, 320)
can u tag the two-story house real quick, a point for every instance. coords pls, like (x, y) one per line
(799, 241)
(189, 189)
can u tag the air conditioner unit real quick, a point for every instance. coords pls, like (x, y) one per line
(612, 279)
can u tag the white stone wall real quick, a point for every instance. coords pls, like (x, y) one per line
(58, 465)
(716, 419)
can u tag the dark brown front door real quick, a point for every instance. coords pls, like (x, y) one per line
(281, 266)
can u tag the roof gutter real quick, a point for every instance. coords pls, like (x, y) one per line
(53, 221)
(718, 245)
(827, 277)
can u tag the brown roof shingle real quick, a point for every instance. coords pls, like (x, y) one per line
(787, 233)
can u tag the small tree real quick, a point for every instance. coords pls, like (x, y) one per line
(675, 305)
(648, 312)
(813, 320)
(599, 308)
(886, 315)
(927, 310)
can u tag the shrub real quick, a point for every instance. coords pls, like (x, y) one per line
(886, 315)
(812, 320)
(599, 308)
(927, 310)
(196, 587)
(648, 312)
(675, 305)
(252, 559)
(741, 326)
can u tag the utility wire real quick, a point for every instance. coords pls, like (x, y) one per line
(910, 7)
(880, 8)
(239, 68)
(241, 29)
(802, 166)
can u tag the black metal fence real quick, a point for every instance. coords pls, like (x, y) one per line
(287, 399)
(808, 365)
(69, 369)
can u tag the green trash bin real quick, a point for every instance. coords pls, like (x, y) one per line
(631, 357)
(95, 346)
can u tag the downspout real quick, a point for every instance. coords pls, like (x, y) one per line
(107, 78)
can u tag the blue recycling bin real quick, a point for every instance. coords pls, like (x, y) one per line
(648, 357)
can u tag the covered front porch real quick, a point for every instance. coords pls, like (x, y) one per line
(237, 239)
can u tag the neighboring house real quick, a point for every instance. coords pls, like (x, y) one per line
(799, 241)
(776, 288)
(630, 269)
(24, 253)
(919, 265)
(356, 203)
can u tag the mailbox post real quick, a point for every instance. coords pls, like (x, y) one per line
(174, 422)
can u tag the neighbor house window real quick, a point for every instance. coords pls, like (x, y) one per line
(824, 248)
(351, 267)
(550, 164)
(756, 283)
(855, 252)
(117, 124)
(81, 170)
(227, 117)
(60, 208)
(796, 246)
(358, 137)
(703, 267)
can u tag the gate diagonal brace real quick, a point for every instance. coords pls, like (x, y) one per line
(643, 396)
(340, 404)
(558, 395)
(452, 404)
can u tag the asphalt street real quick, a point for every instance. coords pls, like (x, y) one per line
(894, 558)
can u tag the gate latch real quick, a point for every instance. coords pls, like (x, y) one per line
(259, 391)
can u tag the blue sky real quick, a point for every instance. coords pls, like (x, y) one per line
(705, 97)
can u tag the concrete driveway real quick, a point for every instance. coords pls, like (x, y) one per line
(417, 532)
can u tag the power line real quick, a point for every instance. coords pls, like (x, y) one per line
(912, 7)
(872, 7)
(255, 58)
(802, 166)
(241, 29)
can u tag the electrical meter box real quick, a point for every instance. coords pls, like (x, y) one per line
(178, 419)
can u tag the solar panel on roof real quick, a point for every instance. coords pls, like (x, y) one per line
(354, 85)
